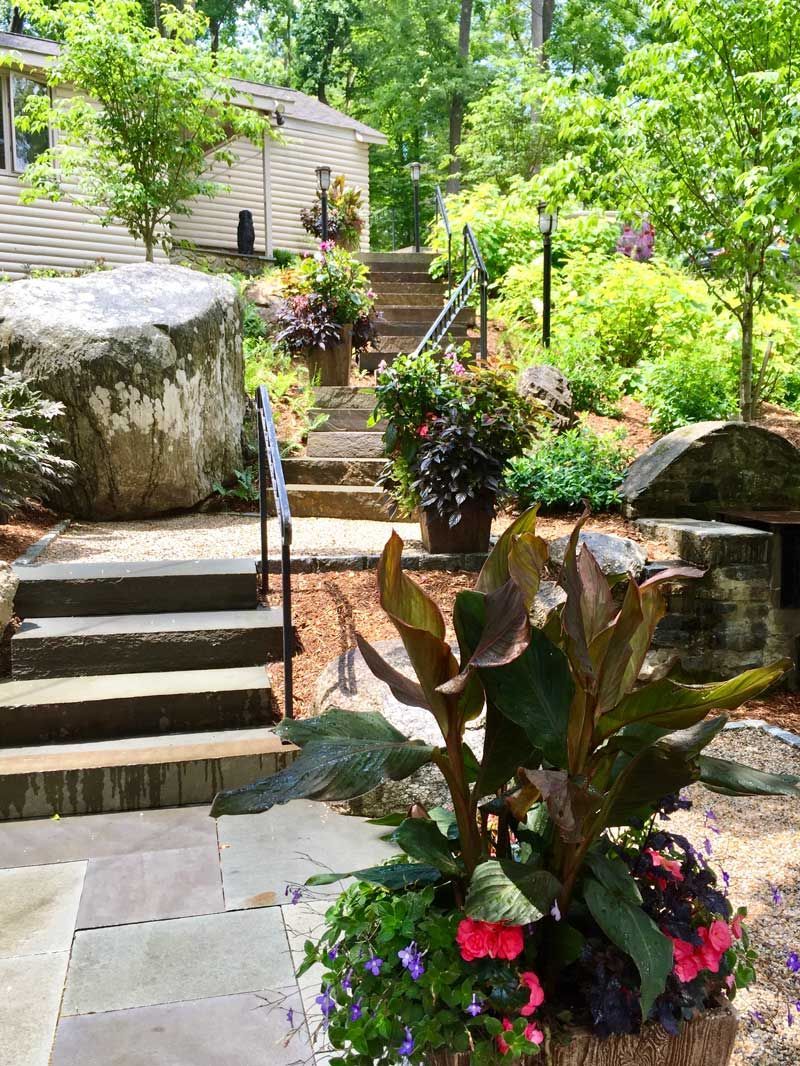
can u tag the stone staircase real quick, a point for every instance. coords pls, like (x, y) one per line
(345, 454)
(136, 685)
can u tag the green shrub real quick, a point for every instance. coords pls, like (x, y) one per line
(29, 466)
(564, 469)
(688, 386)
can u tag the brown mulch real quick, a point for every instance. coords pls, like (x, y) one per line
(22, 530)
(634, 420)
(781, 420)
(778, 708)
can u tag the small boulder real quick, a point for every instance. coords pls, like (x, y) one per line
(547, 385)
(614, 555)
(8, 589)
(266, 293)
(147, 360)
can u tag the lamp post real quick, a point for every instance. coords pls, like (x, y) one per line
(548, 222)
(324, 183)
(416, 169)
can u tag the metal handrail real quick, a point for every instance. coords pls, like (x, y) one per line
(441, 212)
(475, 276)
(269, 466)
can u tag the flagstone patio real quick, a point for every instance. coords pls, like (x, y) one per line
(164, 936)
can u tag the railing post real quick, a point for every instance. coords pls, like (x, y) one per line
(449, 263)
(484, 342)
(288, 632)
(262, 493)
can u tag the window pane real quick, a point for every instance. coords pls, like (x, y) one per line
(27, 146)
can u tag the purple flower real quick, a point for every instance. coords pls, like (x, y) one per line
(710, 816)
(373, 966)
(793, 963)
(297, 894)
(726, 879)
(777, 895)
(290, 1016)
(555, 912)
(326, 246)
(789, 1016)
(326, 1003)
(355, 1011)
(475, 1007)
(411, 959)
(707, 846)
(407, 1047)
(347, 981)
(757, 1016)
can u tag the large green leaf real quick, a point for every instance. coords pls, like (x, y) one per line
(422, 839)
(568, 803)
(494, 572)
(345, 754)
(734, 779)
(643, 779)
(526, 559)
(666, 703)
(393, 876)
(626, 925)
(506, 891)
(614, 875)
(504, 636)
(506, 746)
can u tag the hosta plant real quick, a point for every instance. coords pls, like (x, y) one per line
(548, 896)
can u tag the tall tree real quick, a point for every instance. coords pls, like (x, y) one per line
(458, 100)
(541, 26)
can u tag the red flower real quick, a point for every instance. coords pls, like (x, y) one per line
(501, 1044)
(536, 993)
(423, 430)
(495, 940)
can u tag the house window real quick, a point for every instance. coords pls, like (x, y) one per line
(19, 148)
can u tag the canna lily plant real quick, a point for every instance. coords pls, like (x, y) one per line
(578, 757)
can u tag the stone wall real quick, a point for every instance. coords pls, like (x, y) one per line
(220, 262)
(730, 620)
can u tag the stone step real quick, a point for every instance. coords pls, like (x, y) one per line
(423, 315)
(389, 347)
(340, 501)
(378, 277)
(138, 643)
(360, 397)
(386, 261)
(386, 283)
(350, 419)
(342, 445)
(418, 330)
(132, 774)
(407, 300)
(332, 471)
(111, 706)
(62, 589)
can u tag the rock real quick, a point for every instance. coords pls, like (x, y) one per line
(548, 385)
(8, 589)
(148, 362)
(266, 294)
(614, 555)
(703, 470)
(348, 683)
(547, 599)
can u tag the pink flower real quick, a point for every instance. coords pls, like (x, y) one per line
(424, 430)
(687, 965)
(719, 936)
(730, 980)
(736, 926)
(509, 941)
(672, 866)
(531, 981)
(474, 939)
(534, 1034)
(501, 1044)
(707, 955)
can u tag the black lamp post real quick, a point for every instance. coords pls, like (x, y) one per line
(416, 169)
(548, 222)
(324, 183)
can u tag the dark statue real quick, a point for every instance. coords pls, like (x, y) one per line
(246, 233)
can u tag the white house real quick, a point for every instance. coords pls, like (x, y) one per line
(274, 181)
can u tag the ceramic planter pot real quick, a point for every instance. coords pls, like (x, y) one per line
(705, 1041)
(471, 534)
(331, 366)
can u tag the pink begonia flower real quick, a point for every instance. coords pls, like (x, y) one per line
(494, 940)
(424, 430)
(534, 1034)
(531, 981)
(687, 965)
(672, 866)
(730, 980)
(502, 1046)
(736, 926)
(719, 935)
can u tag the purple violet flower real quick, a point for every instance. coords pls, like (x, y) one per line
(757, 1016)
(777, 895)
(475, 1008)
(793, 963)
(347, 981)
(555, 912)
(333, 952)
(411, 959)
(326, 1002)
(407, 1047)
(296, 894)
(373, 966)
(726, 879)
(355, 1011)
(707, 846)
(290, 1016)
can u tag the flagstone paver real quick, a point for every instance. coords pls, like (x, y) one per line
(150, 886)
(55, 840)
(38, 907)
(30, 992)
(242, 1030)
(263, 853)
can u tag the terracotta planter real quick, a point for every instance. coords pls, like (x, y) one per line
(704, 1041)
(471, 534)
(331, 366)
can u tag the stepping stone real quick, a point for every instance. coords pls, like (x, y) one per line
(396, 313)
(350, 419)
(32, 988)
(181, 959)
(46, 710)
(38, 908)
(332, 471)
(240, 1030)
(132, 774)
(124, 643)
(369, 503)
(340, 445)
(58, 589)
(344, 396)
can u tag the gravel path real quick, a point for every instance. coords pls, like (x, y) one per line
(759, 846)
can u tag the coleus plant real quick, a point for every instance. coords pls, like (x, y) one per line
(576, 748)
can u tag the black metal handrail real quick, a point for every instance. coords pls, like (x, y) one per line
(270, 469)
(475, 276)
(441, 212)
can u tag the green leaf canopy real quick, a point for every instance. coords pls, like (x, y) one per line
(507, 891)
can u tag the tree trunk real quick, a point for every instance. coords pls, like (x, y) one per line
(17, 23)
(458, 100)
(214, 26)
(149, 246)
(541, 26)
(746, 374)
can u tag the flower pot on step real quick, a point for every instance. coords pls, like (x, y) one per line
(331, 366)
(470, 534)
(705, 1041)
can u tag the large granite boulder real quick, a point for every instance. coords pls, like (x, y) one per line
(701, 470)
(614, 555)
(546, 385)
(148, 362)
(8, 589)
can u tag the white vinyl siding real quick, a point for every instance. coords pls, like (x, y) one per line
(214, 220)
(293, 181)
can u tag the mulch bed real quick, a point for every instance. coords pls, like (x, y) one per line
(22, 530)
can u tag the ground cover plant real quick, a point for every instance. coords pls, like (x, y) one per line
(549, 894)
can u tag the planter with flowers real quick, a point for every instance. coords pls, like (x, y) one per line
(345, 221)
(452, 426)
(548, 914)
(328, 311)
